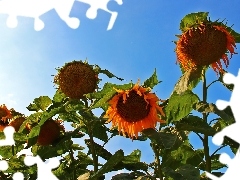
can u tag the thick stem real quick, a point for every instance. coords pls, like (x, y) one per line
(73, 163)
(94, 155)
(13, 153)
(205, 138)
(157, 160)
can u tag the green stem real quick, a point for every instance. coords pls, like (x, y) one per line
(13, 150)
(94, 155)
(205, 138)
(73, 163)
(157, 160)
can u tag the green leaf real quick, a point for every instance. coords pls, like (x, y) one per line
(107, 93)
(192, 19)
(215, 163)
(33, 107)
(188, 81)
(180, 105)
(173, 174)
(196, 157)
(84, 158)
(40, 103)
(109, 74)
(189, 172)
(108, 166)
(59, 97)
(6, 152)
(70, 117)
(106, 72)
(133, 157)
(161, 138)
(212, 108)
(100, 151)
(46, 152)
(100, 131)
(195, 124)
(152, 81)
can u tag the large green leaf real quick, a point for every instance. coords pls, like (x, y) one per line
(188, 81)
(100, 150)
(195, 124)
(185, 154)
(180, 105)
(189, 172)
(171, 174)
(107, 167)
(191, 19)
(203, 107)
(161, 138)
(100, 131)
(46, 152)
(132, 161)
(40, 103)
(152, 81)
(59, 97)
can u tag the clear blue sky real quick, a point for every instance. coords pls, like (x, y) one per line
(141, 40)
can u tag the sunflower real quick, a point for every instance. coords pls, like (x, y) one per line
(50, 131)
(134, 110)
(16, 123)
(5, 115)
(76, 78)
(205, 45)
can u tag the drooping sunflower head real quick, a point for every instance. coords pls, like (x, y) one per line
(134, 110)
(50, 131)
(17, 122)
(204, 45)
(76, 79)
(5, 116)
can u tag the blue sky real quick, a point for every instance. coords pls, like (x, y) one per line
(141, 40)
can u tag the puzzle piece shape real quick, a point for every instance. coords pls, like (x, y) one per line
(44, 169)
(36, 8)
(8, 132)
(3, 165)
(233, 172)
(231, 131)
(101, 4)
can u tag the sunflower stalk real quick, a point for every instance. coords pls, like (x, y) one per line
(158, 169)
(73, 163)
(94, 155)
(205, 137)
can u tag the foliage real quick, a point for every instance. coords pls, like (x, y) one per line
(175, 157)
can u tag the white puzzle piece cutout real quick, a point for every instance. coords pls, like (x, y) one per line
(44, 169)
(36, 8)
(232, 131)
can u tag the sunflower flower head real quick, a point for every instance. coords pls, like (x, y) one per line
(204, 45)
(5, 116)
(76, 78)
(134, 110)
(50, 131)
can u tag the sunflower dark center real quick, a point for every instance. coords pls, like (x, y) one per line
(3, 113)
(134, 109)
(77, 79)
(205, 46)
